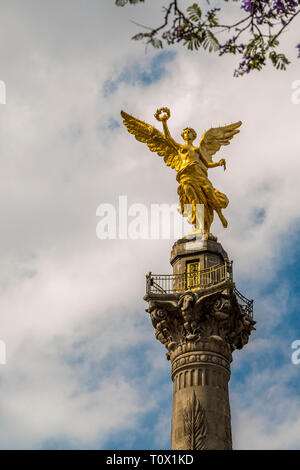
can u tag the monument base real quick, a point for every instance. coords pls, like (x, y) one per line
(200, 317)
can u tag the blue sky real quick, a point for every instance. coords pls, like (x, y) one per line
(84, 369)
(142, 75)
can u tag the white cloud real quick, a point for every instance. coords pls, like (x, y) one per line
(60, 160)
(266, 415)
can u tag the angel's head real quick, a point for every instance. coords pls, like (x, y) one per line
(189, 135)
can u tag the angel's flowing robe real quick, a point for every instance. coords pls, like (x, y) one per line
(195, 188)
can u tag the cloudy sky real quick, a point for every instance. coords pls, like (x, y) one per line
(84, 370)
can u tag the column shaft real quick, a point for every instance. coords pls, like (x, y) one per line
(201, 410)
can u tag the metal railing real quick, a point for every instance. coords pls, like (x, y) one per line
(174, 283)
(245, 304)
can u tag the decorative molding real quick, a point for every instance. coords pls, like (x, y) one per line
(195, 425)
(200, 377)
(193, 318)
(201, 358)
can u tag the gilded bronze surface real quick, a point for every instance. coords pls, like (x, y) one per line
(190, 162)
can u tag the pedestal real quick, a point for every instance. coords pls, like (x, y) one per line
(200, 317)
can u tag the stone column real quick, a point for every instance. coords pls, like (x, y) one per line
(201, 410)
(200, 328)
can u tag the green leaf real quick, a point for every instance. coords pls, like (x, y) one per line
(195, 13)
(211, 16)
(121, 3)
(273, 42)
(138, 37)
(193, 41)
(157, 43)
(210, 42)
(280, 61)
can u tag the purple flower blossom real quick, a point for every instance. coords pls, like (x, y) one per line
(284, 6)
(278, 4)
(247, 5)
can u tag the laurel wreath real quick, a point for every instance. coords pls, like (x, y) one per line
(165, 116)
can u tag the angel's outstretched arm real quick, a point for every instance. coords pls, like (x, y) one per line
(164, 119)
(212, 165)
(168, 135)
(208, 164)
(221, 162)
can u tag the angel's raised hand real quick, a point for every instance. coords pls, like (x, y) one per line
(222, 162)
(163, 117)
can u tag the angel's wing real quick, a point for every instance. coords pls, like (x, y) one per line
(213, 139)
(155, 140)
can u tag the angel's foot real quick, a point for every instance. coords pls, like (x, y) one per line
(195, 234)
(223, 220)
(209, 236)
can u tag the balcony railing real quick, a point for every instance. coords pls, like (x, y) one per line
(175, 283)
(245, 304)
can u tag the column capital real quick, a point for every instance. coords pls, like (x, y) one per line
(194, 320)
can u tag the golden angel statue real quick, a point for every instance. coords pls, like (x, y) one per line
(191, 163)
